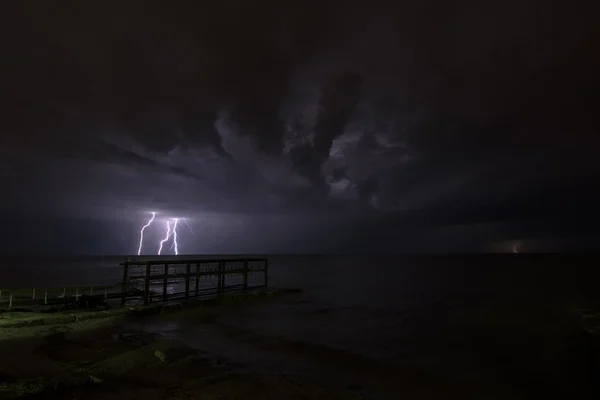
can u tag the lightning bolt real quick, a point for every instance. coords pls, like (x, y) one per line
(142, 232)
(188, 225)
(166, 237)
(174, 233)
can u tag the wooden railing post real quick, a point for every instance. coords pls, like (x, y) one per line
(245, 275)
(187, 280)
(124, 284)
(147, 283)
(197, 278)
(165, 282)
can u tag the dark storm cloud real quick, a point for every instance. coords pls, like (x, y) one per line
(429, 114)
(338, 99)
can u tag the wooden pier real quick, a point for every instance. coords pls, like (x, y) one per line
(147, 281)
(164, 280)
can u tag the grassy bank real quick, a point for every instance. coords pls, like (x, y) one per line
(29, 319)
(94, 358)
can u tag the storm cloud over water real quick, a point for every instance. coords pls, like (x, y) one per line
(299, 127)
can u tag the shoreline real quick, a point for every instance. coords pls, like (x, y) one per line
(121, 358)
(19, 319)
(100, 357)
(246, 350)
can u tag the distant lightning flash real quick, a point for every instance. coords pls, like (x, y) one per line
(142, 232)
(166, 237)
(174, 233)
(188, 225)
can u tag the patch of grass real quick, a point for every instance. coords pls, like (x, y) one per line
(23, 388)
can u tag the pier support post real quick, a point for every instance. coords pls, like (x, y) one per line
(223, 275)
(124, 284)
(197, 278)
(165, 282)
(245, 275)
(187, 280)
(266, 273)
(220, 277)
(147, 283)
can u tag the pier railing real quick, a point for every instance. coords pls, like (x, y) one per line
(147, 281)
(162, 280)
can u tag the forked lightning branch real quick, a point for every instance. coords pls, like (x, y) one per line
(171, 233)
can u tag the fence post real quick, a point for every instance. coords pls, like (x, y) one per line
(187, 280)
(197, 277)
(245, 275)
(165, 282)
(45, 297)
(266, 272)
(124, 284)
(10, 302)
(33, 296)
(147, 282)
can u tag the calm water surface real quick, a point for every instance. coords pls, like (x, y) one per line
(505, 322)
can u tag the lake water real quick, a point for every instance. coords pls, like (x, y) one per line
(507, 323)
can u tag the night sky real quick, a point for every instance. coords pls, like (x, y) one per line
(299, 126)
